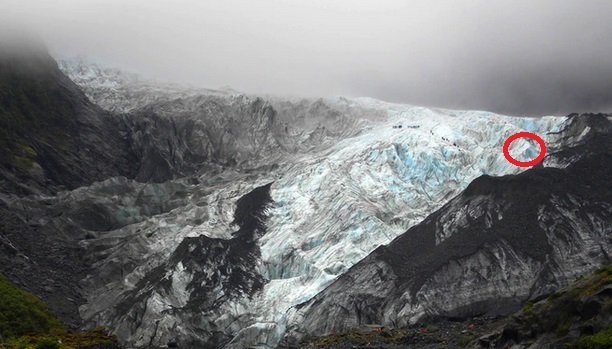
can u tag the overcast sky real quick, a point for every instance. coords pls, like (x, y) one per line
(519, 57)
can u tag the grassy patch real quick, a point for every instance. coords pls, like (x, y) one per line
(66, 340)
(466, 340)
(603, 277)
(27, 323)
(527, 307)
(563, 310)
(562, 329)
(600, 340)
(24, 157)
(21, 313)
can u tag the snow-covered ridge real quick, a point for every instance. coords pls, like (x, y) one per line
(119, 91)
(333, 205)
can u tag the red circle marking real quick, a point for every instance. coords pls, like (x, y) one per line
(524, 134)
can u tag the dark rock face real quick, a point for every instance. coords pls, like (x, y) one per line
(501, 242)
(561, 320)
(40, 260)
(584, 135)
(566, 318)
(182, 137)
(52, 136)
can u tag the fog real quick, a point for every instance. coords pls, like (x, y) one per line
(517, 57)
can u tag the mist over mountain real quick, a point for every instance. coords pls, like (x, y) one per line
(514, 57)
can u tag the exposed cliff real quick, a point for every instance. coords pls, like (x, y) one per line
(578, 316)
(52, 136)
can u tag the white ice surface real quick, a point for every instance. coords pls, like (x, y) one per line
(334, 208)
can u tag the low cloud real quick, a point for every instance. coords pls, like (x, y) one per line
(516, 57)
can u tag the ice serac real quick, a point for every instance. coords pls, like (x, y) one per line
(502, 241)
(194, 136)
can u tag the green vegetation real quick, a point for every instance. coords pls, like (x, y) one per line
(21, 313)
(48, 343)
(559, 310)
(67, 340)
(566, 312)
(27, 323)
(527, 307)
(603, 277)
(562, 329)
(466, 340)
(24, 157)
(600, 340)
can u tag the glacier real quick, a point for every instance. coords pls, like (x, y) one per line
(502, 241)
(349, 175)
(367, 190)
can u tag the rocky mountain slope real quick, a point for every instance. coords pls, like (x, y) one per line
(222, 212)
(52, 136)
(26, 322)
(501, 242)
(578, 316)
